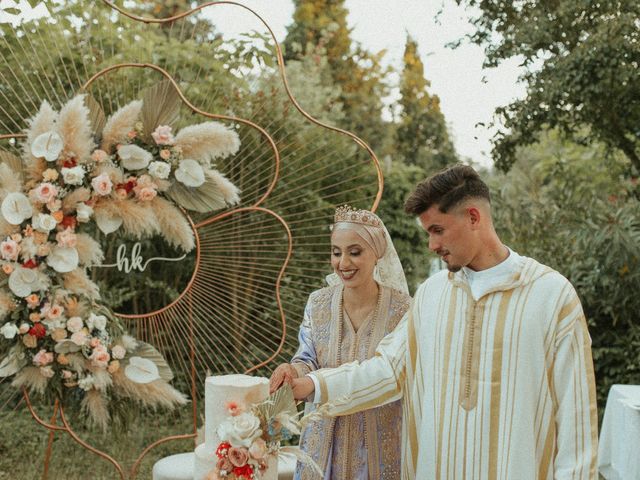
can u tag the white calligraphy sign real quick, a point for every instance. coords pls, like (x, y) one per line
(135, 262)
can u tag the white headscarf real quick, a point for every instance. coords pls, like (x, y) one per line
(388, 271)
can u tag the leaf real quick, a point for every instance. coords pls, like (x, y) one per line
(13, 362)
(147, 352)
(281, 401)
(160, 106)
(97, 118)
(205, 198)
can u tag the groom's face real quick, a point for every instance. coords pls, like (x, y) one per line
(450, 236)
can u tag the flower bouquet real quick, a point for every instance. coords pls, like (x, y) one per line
(80, 171)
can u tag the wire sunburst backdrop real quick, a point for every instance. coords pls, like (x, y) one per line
(240, 307)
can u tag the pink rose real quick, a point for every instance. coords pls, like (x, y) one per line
(238, 456)
(52, 312)
(100, 358)
(258, 449)
(163, 136)
(9, 249)
(66, 374)
(67, 238)
(42, 358)
(99, 156)
(165, 154)
(146, 194)
(45, 192)
(102, 184)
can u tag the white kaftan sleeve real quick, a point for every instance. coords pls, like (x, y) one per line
(575, 397)
(305, 360)
(358, 386)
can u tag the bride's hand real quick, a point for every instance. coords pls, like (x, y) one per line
(285, 373)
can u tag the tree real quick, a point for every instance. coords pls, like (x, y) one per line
(582, 62)
(422, 138)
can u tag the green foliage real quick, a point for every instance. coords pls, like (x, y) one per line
(574, 208)
(582, 58)
(421, 137)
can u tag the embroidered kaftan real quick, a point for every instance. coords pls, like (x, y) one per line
(366, 445)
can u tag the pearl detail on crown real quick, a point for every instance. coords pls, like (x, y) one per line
(349, 214)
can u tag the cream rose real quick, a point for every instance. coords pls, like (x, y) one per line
(83, 212)
(160, 170)
(79, 338)
(147, 194)
(74, 324)
(99, 322)
(43, 222)
(102, 184)
(73, 176)
(99, 156)
(240, 431)
(118, 352)
(133, 157)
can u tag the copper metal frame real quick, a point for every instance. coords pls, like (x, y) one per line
(58, 408)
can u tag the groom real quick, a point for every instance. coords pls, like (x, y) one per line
(493, 360)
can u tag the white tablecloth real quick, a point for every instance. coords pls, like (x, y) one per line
(619, 450)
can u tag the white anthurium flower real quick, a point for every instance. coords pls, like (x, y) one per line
(63, 259)
(132, 157)
(43, 222)
(9, 330)
(141, 370)
(24, 281)
(73, 176)
(48, 146)
(16, 208)
(108, 223)
(190, 173)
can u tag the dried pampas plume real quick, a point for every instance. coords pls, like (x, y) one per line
(31, 379)
(207, 141)
(89, 251)
(9, 180)
(174, 226)
(156, 393)
(77, 282)
(95, 406)
(228, 190)
(43, 122)
(138, 218)
(120, 124)
(7, 304)
(78, 195)
(75, 129)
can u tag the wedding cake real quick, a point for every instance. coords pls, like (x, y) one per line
(228, 401)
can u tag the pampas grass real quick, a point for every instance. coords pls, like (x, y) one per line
(75, 308)
(77, 362)
(207, 141)
(120, 124)
(174, 226)
(138, 218)
(89, 251)
(75, 129)
(43, 122)
(77, 282)
(6, 228)
(115, 174)
(7, 304)
(228, 190)
(31, 379)
(101, 378)
(155, 394)
(76, 196)
(9, 180)
(94, 404)
(128, 342)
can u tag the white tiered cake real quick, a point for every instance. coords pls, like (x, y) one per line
(219, 393)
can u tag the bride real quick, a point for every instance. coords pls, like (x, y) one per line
(342, 323)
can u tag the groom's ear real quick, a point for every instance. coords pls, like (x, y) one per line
(474, 215)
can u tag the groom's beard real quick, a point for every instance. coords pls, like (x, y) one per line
(454, 268)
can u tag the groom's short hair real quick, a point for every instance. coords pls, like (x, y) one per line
(447, 189)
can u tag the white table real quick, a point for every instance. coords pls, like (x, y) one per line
(619, 450)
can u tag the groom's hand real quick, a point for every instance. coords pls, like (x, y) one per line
(284, 374)
(302, 387)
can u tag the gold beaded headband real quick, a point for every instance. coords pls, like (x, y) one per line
(349, 214)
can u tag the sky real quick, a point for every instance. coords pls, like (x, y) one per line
(468, 93)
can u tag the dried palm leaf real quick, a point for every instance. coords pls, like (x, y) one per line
(206, 198)
(97, 117)
(74, 127)
(207, 141)
(160, 106)
(120, 124)
(174, 226)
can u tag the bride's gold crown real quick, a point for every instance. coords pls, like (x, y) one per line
(349, 214)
